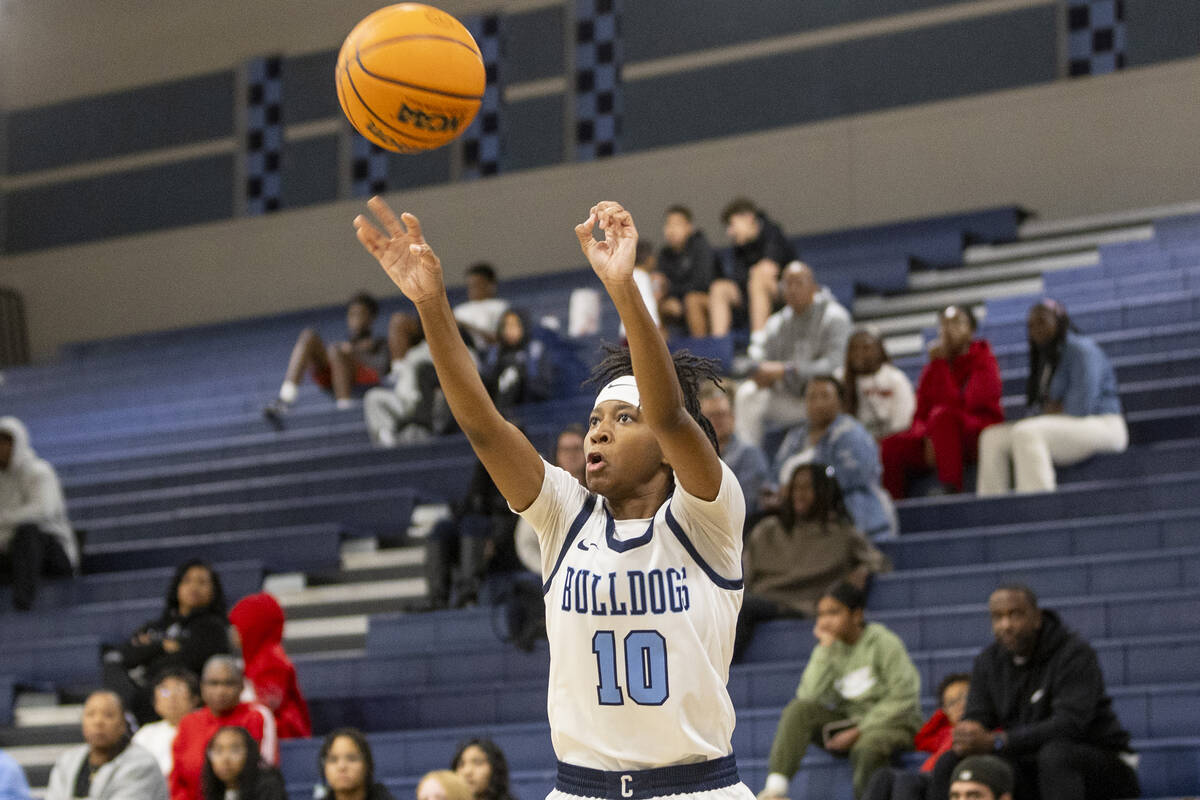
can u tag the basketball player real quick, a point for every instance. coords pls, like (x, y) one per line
(642, 568)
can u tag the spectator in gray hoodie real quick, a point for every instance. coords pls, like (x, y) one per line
(35, 535)
(806, 337)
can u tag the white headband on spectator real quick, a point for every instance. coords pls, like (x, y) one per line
(624, 389)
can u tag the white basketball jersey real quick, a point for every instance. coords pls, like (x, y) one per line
(640, 615)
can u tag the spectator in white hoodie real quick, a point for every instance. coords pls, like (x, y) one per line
(35, 535)
(878, 393)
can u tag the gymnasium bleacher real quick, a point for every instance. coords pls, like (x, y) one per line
(163, 453)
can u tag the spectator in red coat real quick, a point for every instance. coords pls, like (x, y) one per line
(220, 687)
(957, 397)
(258, 620)
(935, 738)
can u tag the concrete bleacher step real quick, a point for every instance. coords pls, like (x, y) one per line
(1048, 245)
(1035, 228)
(931, 279)
(1091, 498)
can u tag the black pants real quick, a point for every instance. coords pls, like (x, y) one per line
(31, 554)
(1060, 770)
(897, 784)
(755, 609)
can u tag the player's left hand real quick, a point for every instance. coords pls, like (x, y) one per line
(612, 259)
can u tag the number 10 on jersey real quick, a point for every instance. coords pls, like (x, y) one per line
(645, 662)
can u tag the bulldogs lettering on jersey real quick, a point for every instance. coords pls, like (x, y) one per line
(640, 615)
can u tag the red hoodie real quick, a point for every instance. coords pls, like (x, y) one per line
(935, 737)
(970, 383)
(191, 744)
(259, 622)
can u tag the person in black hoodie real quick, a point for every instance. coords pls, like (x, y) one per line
(517, 369)
(191, 629)
(1037, 700)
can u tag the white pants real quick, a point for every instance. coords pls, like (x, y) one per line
(754, 407)
(383, 411)
(1035, 446)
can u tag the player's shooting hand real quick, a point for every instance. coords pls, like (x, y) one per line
(612, 259)
(402, 252)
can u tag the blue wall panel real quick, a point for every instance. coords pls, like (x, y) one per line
(180, 112)
(963, 58)
(533, 133)
(1161, 30)
(181, 193)
(310, 171)
(422, 169)
(308, 91)
(669, 27)
(534, 45)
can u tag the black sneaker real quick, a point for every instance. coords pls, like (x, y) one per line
(274, 413)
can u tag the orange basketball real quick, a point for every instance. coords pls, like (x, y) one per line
(410, 77)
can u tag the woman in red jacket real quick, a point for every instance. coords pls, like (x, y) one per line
(259, 623)
(957, 397)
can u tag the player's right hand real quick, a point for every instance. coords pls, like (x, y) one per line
(403, 252)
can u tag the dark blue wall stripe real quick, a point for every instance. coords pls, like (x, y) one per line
(308, 91)
(534, 44)
(964, 58)
(309, 171)
(533, 133)
(1161, 30)
(671, 27)
(421, 169)
(176, 113)
(166, 196)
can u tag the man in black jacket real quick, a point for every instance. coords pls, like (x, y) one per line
(1037, 699)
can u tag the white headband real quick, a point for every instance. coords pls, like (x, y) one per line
(624, 389)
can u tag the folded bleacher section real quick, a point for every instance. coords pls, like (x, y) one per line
(164, 454)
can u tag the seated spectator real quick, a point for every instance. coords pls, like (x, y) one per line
(35, 535)
(982, 778)
(748, 462)
(1075, 410)
(516, 369)
(13, 785)
(108, 766)
(482, 765)
(806, 337)
(361, 360)
(191, 630)
(878, 394)
(176, 693)
(403, 412)
(934, 738)
(233, 768)
(791, 558)
(442, 784)
(1062, 740)
(859, 696)
(258, 620)
(568, 454)
(480, 313)
(475, 538)
(760, 250)
(685, 269)
(958, 396)
(836, 439)
(643, 278)
(347, 770)
(220, 685)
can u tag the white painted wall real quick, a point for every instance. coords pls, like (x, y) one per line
(1063, 149)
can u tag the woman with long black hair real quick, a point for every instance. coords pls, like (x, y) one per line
(234, 770)
(794, 556)
(191, 629)
(1074, 410)
(481, 763)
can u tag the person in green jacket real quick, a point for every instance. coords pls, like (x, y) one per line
(859, 696)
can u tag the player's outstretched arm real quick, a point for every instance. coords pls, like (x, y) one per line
(684, 443)
(412, 265)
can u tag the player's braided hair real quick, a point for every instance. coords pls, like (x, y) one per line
(693, 372)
